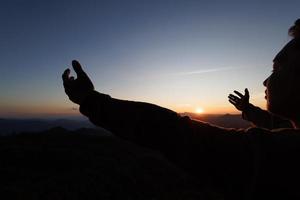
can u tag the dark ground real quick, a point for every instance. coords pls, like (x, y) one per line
(60, 164)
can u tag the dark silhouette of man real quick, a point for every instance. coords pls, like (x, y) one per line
(240, 164)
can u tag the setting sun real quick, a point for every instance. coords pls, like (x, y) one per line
(199, 110)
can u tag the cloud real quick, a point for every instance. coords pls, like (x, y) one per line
(206, 71)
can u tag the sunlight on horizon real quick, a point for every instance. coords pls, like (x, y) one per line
(199, 110)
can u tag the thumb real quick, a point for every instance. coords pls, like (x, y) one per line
(77, 68)
(247, 93)
(81, 74)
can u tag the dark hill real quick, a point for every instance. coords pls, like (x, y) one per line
(8, 126)
(61, 164)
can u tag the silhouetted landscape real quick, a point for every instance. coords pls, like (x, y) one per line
(71, 158)
(8, 125)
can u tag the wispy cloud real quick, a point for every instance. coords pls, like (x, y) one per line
(206, 71)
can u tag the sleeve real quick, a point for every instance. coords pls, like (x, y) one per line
(264, 119)
(140, 122)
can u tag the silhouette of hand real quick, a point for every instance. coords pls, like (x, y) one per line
(77, 89)
(241, 102)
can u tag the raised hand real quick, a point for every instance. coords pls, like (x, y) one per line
(77, 89)
(241, 102)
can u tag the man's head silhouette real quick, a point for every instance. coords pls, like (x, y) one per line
(283, 85)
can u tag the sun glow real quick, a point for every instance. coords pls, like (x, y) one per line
(199, 110)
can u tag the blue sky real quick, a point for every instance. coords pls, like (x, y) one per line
(178, 54)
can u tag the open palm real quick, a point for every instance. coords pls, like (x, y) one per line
(77, 89)
(241, 102)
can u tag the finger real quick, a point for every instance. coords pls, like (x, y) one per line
(237, 101)
(247, 93)
(77, 68)
(81, 74)
(238, 93)
(65, 75)
(232, 102)
(233, 96)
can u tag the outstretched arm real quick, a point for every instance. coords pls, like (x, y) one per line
(146, 124)
(143, 123)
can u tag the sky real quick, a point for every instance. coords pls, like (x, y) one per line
(185, 55)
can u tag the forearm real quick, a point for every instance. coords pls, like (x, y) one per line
(136, 121)
(257, 116)
(265, 119)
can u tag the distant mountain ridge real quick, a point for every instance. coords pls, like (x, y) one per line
(226, 120)
(8, 126)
